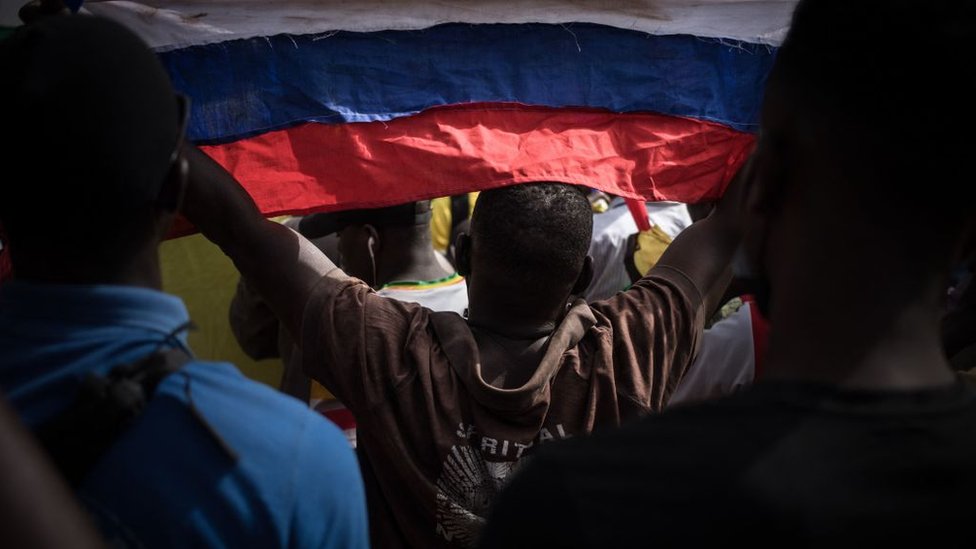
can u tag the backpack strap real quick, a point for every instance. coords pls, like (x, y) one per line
(105, 408)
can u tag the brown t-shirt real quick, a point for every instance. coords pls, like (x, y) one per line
(436, 441)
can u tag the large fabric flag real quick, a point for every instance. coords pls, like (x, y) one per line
(321, 105)
(334, 105)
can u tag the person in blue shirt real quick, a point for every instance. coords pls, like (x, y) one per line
(214, 460)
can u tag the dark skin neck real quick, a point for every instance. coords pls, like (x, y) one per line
(510, 345)
(512, 333)
(502, 317)
(141, 270)
(499, 302)
(508, 363)
(115, 265)
(408, 254)
(903, 352)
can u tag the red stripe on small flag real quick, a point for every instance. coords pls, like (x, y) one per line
(760, 334)
(639, 212)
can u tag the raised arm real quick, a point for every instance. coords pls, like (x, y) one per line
(282, 265)
(704, 251)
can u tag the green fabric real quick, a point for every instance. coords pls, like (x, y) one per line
(195, 270)
(415, 283)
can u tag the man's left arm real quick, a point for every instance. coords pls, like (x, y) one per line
(351, 340)
(282, 265)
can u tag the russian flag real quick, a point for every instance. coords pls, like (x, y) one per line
(318, 106)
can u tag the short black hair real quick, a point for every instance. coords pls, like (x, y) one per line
(536, 235)
(889, 83)
(91, 123)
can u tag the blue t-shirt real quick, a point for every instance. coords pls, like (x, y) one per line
(168, 482)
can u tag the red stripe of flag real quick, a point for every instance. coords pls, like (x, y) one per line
(452, 150)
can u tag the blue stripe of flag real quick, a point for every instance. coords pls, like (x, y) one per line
(246, 87)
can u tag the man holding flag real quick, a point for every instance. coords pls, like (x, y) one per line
(447, 407)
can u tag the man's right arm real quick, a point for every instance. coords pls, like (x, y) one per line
(282, 265)
(703, 252)
(658, 322)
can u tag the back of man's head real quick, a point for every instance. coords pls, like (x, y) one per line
(868, 106)
(530, 241)
(375, 241)
(91, 123)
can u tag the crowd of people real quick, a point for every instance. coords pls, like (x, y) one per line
(521, 367)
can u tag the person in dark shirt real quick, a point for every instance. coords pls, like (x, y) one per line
(859, 434)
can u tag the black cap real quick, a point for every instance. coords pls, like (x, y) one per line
(412, 213)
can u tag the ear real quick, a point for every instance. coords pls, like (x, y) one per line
(170, 196)
(462, 254)
(585, 277)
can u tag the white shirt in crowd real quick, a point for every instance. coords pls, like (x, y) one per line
(608, 248)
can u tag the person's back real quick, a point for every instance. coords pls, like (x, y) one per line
(859, 433)
(448, 407)
(213, 459)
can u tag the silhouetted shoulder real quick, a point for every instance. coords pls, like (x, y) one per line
(777, 462)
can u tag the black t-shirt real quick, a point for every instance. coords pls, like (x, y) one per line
(780, 464)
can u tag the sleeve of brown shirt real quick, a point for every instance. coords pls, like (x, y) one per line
(656, 328)
(354, 342)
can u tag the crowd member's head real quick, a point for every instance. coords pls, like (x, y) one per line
(95, 132)
(863, 196)
(376, 245)
(526, 253)
(100, 174)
